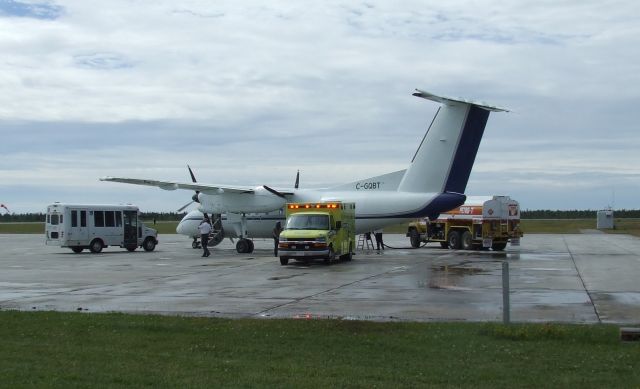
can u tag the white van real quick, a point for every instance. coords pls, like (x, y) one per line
(95, 227)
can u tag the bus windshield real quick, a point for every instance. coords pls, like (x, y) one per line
(307, 222)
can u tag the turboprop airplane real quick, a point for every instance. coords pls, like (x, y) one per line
(434, 182)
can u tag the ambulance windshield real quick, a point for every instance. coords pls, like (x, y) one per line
(307, 222)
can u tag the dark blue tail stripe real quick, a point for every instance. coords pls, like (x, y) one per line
(467, 150)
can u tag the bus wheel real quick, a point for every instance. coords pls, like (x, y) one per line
(77, 249)
(454, 240)
(467, 242)
(96, 246)
(131, 248)
(284, 261)
(149, 244)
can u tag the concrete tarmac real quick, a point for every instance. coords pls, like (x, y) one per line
(581, 278)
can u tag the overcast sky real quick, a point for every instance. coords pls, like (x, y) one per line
(249, 92)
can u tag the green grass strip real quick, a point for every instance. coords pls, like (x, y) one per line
(52, 349)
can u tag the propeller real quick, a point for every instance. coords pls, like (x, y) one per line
(275, 192)
(194, 198)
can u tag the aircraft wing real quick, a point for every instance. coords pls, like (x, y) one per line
(170, 185)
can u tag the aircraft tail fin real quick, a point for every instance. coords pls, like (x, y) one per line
(447, 152)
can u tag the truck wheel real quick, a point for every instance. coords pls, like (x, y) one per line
(454, 240)
(149, 244)
(499, 246)
(96, 246)
(467, 241)
(444, 245)
(284, 261)
(77, 249)
(414, 237)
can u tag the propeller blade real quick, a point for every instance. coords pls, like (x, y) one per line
(185, 206)
(297, 179)
(193, 177)
(275, 192)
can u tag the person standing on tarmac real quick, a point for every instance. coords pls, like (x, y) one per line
(378, 235)
(205, 229)
(276, 238)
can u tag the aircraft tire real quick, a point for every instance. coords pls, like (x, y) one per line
(444, 245)
(242, 246)
(251, 246)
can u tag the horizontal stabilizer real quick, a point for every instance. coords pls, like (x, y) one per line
(449, 100)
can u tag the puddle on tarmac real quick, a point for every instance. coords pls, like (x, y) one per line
(451, 276)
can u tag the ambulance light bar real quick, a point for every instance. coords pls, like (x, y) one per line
(313, 205)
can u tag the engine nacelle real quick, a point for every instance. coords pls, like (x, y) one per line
(261, 200)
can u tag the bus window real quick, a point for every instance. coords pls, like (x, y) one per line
(83, 218)
(109, 219)
(118, 219)
(74, 218)
(54, 219)
(98, 218)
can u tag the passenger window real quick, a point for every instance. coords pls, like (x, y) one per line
(118, 219)
(109, 219)
(98, 218)
(74, 218)
(83, 218)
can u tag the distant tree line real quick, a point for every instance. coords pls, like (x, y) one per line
(575, 214)
(524, 214)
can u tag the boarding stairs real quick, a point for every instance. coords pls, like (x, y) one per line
(364, 240)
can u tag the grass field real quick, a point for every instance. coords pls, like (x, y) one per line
(48, 349)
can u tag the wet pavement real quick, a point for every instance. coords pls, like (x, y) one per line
(581, 278)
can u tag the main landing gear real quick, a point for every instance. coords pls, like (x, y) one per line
(244, 246)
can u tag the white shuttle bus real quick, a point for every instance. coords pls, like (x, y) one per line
(95, 227)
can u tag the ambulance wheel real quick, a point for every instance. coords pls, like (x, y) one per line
(96, 246)
(77, 249)
(284, 261)
(454, 240)
(414, 237)
(499, 246)
(331, 256)
(467, 241)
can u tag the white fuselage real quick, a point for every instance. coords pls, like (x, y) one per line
(374, 209)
